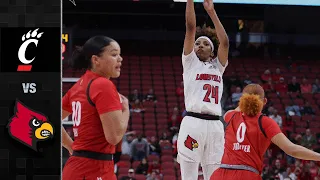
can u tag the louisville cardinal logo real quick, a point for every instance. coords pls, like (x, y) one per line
(28, 126)
(191, 143)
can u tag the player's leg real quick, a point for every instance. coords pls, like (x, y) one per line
(79, 168)
(189, 170)
(107, 168)
(190, 147)
(74, 169)
(213, 149)
(218, 174)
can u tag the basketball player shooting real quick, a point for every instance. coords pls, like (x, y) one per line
(248, 136)
(201, 136)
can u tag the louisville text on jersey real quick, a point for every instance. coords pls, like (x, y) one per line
(211, 77)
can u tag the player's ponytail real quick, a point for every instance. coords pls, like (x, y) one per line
(250, 104)
(81, 58)
(78, 60)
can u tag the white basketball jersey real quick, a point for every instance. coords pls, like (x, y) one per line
(203, 85)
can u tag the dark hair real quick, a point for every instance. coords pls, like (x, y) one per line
(208, 32)
(81, 57)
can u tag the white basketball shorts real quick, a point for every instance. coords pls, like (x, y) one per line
(200, 141)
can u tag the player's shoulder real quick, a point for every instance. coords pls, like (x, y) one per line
(267, 120)
(265, 117)
(229, 114)
(191, 56)
(102, 82)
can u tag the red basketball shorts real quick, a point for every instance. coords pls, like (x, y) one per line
(230, 174)
(80, 168)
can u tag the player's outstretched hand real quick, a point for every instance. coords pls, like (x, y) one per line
(70, 151)
(208, 5)
(125, 102)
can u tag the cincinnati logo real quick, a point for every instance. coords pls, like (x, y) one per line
(27, 39)
(28, 126)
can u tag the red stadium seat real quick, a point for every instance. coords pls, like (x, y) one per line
(168, 177)
(161, 121)
(300, 130)
(162, 127)
(168, 172)
(124, 157)
(149, 134)
(168, 165)
(122, 175)
(166, 152)
(299, 102)
(284, 96)
(307, 96)
(150, 121)
(124, 164)
(295, 118)
(150, 127)
(286, 102)
(275, 100)
(166, 158)
(301, 124)
(140, 177)
(149, 115)
(123, 171)
(135, 164)
(137, 127)
(317, 96)
(306, 118)
(152, 158)
(315, 130)
(136, 121)
(315, 124)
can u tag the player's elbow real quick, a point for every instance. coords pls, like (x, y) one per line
(291, 149)
(113, 137)
(190, 26)
(114, 140)
(224, 42)
(295, 151)
(223, 39)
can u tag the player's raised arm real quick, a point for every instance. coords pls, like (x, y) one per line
(190, 28)
(294, 150)
(223, 49)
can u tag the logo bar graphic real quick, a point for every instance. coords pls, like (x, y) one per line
(24, 68)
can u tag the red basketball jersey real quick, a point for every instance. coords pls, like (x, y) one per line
(245, 143)
(87, 126)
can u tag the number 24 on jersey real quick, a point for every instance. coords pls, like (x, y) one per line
(212, 94)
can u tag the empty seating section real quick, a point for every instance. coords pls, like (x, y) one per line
(164, 75)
